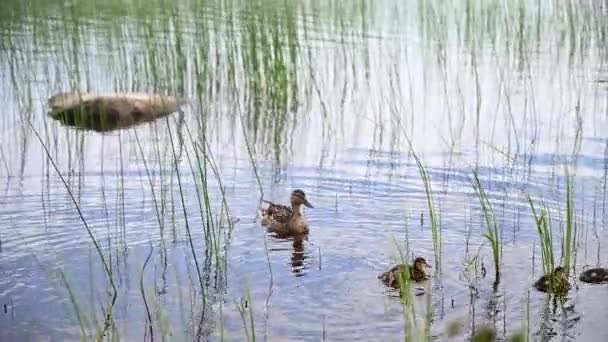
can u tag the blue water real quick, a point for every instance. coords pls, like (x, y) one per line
(364, 92)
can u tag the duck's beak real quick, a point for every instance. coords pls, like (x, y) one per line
(306, 203)
(427, 265)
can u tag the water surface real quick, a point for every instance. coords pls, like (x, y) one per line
(329, 97)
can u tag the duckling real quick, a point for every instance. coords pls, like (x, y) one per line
(105, 112)
(417, 273)
(595, 275)
(282, 219)
(555, 282)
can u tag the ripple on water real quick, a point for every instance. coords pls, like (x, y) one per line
(341, 144)
(352, 228)
(328, 283)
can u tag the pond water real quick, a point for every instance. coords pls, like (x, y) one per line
(334, 98)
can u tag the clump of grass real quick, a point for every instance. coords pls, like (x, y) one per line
(556, 284)
(484, 334)
(488, 334)
(545, 235)
(492, 233)
(519, 336)
(454, 328)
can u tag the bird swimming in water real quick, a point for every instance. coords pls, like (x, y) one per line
(417, 273)
(282, 219)
(596, 275)
(555, 282)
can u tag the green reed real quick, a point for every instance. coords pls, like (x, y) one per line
(150, 72)
(407, 299)
(245, 307)
(569, 236)
(545, 235)
(488, 333)
(433, 213)
(106, 266)
(492, 232)
(568, 233)
(260, 55)
(413, 330)
(515, 27)
(149, 322)
(212, 227)
(158, 208)
(82, 321)
(186, 221)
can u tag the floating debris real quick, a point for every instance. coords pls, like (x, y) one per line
(106, 112)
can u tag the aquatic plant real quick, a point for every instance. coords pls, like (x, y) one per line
(245, 307)
(545, 233)
(492, 232)
(113, 294)
(569, 235)
(263, 64)
(433, 213)
(413, 331)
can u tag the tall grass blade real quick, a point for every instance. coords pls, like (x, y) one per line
(492, 233)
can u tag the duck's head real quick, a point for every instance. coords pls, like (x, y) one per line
(560, 272)
(420, 264)
(298, 197)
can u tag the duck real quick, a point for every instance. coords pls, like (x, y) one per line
(555, 282)
(596, 275)
(283, 219)
(104, 112)
(417, 273)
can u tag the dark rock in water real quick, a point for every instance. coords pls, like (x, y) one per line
(596, 275)
(111, 111)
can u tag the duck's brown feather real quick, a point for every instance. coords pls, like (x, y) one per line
(391, 277)
(277, 212)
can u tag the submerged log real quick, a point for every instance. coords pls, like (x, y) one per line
(111, 111)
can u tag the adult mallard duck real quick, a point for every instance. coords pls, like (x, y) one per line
(417, 273)
(595, 275)
(282, 219)
(555, 282)
(103, 112)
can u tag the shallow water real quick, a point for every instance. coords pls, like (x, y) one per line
(333, 117)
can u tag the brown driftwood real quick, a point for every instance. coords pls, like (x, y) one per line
(105, 112)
